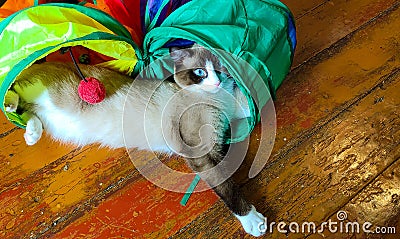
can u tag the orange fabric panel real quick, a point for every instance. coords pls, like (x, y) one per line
(11, 6)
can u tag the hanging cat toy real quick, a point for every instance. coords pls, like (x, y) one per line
(127, 36)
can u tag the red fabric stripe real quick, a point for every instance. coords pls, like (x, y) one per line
(127, 13)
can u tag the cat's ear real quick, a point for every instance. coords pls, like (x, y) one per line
(178, 54)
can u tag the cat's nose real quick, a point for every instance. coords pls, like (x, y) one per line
(211, 82)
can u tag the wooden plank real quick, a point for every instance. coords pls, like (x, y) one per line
(140, 209)
(5, 126)
(19, 160)
(293, 187)
(62, 191)
(300, 9)
(325, 84)
(343, 160)
(34, 204)
(325, 173)
(397, 226)
(330, 21)
(375, 204)
(322, 85)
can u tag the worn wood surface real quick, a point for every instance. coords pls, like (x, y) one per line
(337, 148)
(325, 166)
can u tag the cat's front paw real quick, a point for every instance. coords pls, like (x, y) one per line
(33, 131)
(11, 101)
(253, 222)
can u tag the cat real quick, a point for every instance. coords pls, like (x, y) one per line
(198, 77)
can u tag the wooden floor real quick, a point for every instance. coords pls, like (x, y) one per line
(337, 149)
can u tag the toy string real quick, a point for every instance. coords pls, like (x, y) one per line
(76, 65)
(190, 190)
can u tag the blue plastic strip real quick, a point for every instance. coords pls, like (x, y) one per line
(153, 6)
(178, 3)
(157, 9)
(190, 190)
(82, 3)
(292, 32)
(183, 43)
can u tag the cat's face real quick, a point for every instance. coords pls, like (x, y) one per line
(197, 69)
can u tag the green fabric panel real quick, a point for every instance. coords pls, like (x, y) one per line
(100, 16)
(43, 27)
(23, 64)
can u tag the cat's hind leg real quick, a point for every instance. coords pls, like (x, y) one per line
(216, 176)
(34, 129)
(253, 222)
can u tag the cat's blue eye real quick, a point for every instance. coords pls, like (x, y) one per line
(200, 72)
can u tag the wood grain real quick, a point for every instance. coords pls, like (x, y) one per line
(328, 165)
(60, 191)
(330, 21)
(5, 126)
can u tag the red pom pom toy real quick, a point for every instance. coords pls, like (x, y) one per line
(91, 90)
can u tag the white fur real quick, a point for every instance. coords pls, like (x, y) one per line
(212, 78)
(34, 130)
(11, 101)
(211, 82)
(143, 126)
(110, 124)
(242, 105)
(251, 222)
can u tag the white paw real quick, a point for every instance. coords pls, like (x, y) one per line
(11, 108)
(253, 222)
(33, 131)
(11, 101)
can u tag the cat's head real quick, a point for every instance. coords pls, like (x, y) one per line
(197, 69)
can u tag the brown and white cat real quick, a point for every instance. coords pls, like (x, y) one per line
(53, 104)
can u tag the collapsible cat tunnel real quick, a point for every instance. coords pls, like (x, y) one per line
(129, 35)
